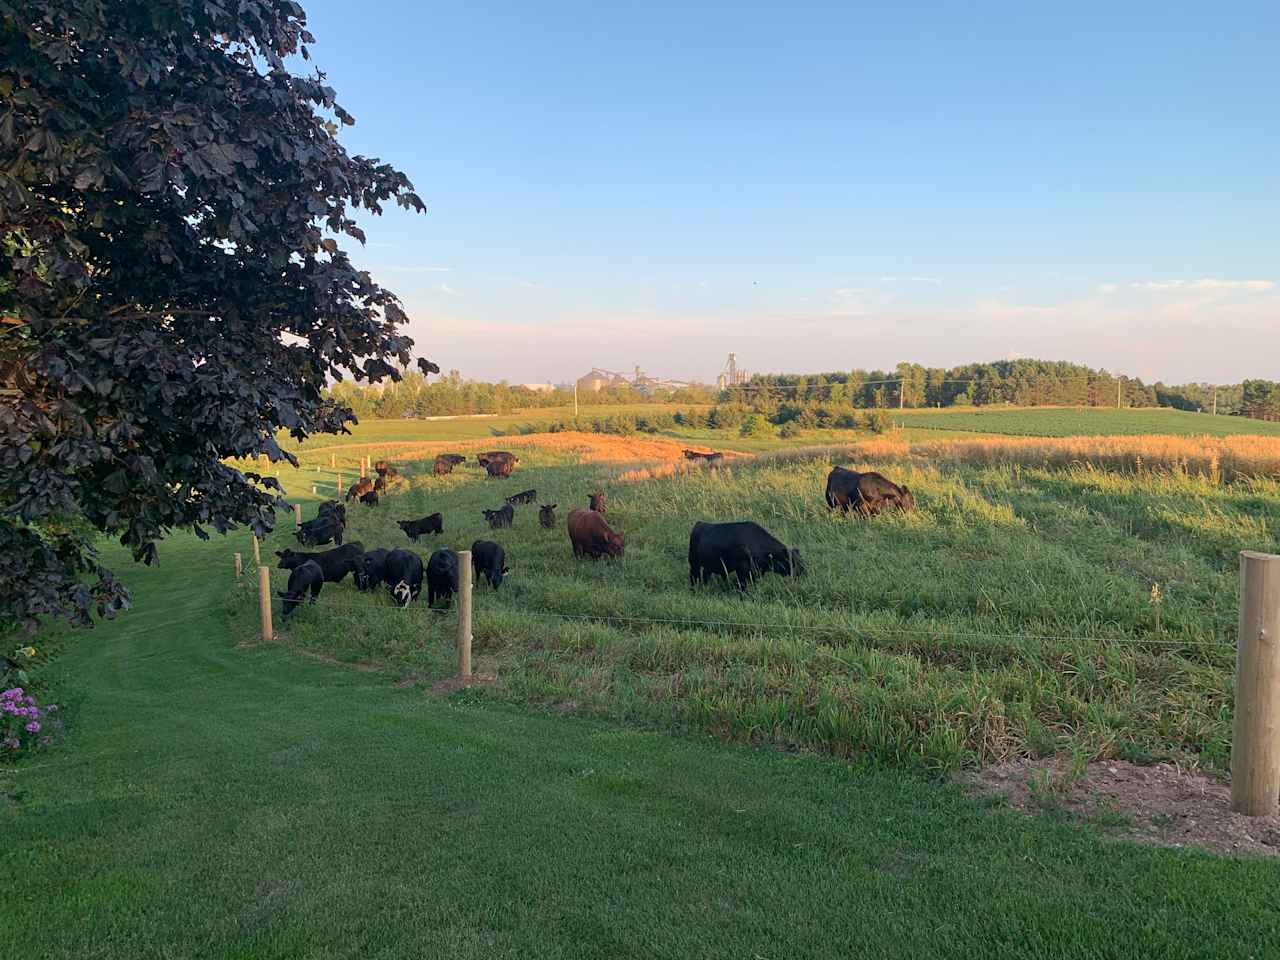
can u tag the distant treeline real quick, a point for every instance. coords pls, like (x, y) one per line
(450, 395)
(1024, 383)
(783, 397)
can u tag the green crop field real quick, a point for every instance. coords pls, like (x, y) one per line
(1082, 421)
(1018, 612)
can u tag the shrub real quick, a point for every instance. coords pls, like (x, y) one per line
(754, 426)
(25, 726)
(879, 422)
(847, 421)
(789, 430)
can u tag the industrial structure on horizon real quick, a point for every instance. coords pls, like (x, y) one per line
(601, 379)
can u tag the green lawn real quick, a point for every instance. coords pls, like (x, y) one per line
(1082, 421)
(215, 801)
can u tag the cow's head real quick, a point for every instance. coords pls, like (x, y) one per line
(289, 559)
(905, 499)
(789, 564)
(614, 543)
(403, 593)
(291, 599)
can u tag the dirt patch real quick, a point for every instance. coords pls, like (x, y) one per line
(442, 688)
(408, 680)
(1158, 804)
(588, 447)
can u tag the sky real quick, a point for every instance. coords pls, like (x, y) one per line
(822, 186)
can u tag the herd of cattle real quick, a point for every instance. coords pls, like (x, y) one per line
(740, 550)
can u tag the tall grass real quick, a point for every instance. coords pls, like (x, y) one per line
(1033, 603)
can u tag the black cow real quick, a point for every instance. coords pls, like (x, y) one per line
(369, 568)
(369, 499)
(442, 576)
(745, 549)
(867, 493)
(547, 515)
(335, 564)
(402, 573)
(500, 518)
(413, 529)
(489, 560)
(327, 528)
(332, 508)
(305, 577)
(525, 496)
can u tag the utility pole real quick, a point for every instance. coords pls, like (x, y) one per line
(1215, 401)
(575, 399)
(902, 394)
(1119, 385)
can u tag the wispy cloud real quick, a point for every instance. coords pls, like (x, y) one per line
(445, 288)
(1205, 285)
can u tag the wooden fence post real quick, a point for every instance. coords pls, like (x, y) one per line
(264, 601)
(333, 459)
(362, 468)
(464, 614)
(297, 516)
(1255, 746)
(239, 566)
(257, 554)
(313, 489)
(337, 493)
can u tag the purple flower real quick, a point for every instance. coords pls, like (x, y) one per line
(11, 694)
(33, 727)
(52, 708)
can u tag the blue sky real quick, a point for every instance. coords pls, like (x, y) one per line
(823, 186)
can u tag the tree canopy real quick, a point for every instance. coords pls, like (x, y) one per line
(173, 197)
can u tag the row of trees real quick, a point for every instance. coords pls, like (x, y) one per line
(1018, 382)
(415, 397)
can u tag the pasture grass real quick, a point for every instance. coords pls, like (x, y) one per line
(1083, 421)
(225, 801)
(1022, 610)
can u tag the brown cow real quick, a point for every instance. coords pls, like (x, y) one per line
(384, 469)
(498, 468)
(591, 536)
(596, 502)
(360, 488)
(447, 461)
(709, 457)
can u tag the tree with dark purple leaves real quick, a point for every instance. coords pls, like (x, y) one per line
(172, 286)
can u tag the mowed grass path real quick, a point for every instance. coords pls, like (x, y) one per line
(216, 801)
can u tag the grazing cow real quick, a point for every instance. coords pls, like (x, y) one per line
(596, 502)
(591, 536)
(370, 499)
(305, 577)
(335, 564)
(402, 573)
(495, 455)
(413, 529)
(443, 466)
(867, 493)
(359, 489)
(547, 515)
(500, 518)
(709, 457)
(525, 496)
(745, 549)
(489, 560)
(383, 469)
(326, 528)
(497, 469)
(369, 569)
(442, 576)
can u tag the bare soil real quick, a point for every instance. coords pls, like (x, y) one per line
(1157, 804)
